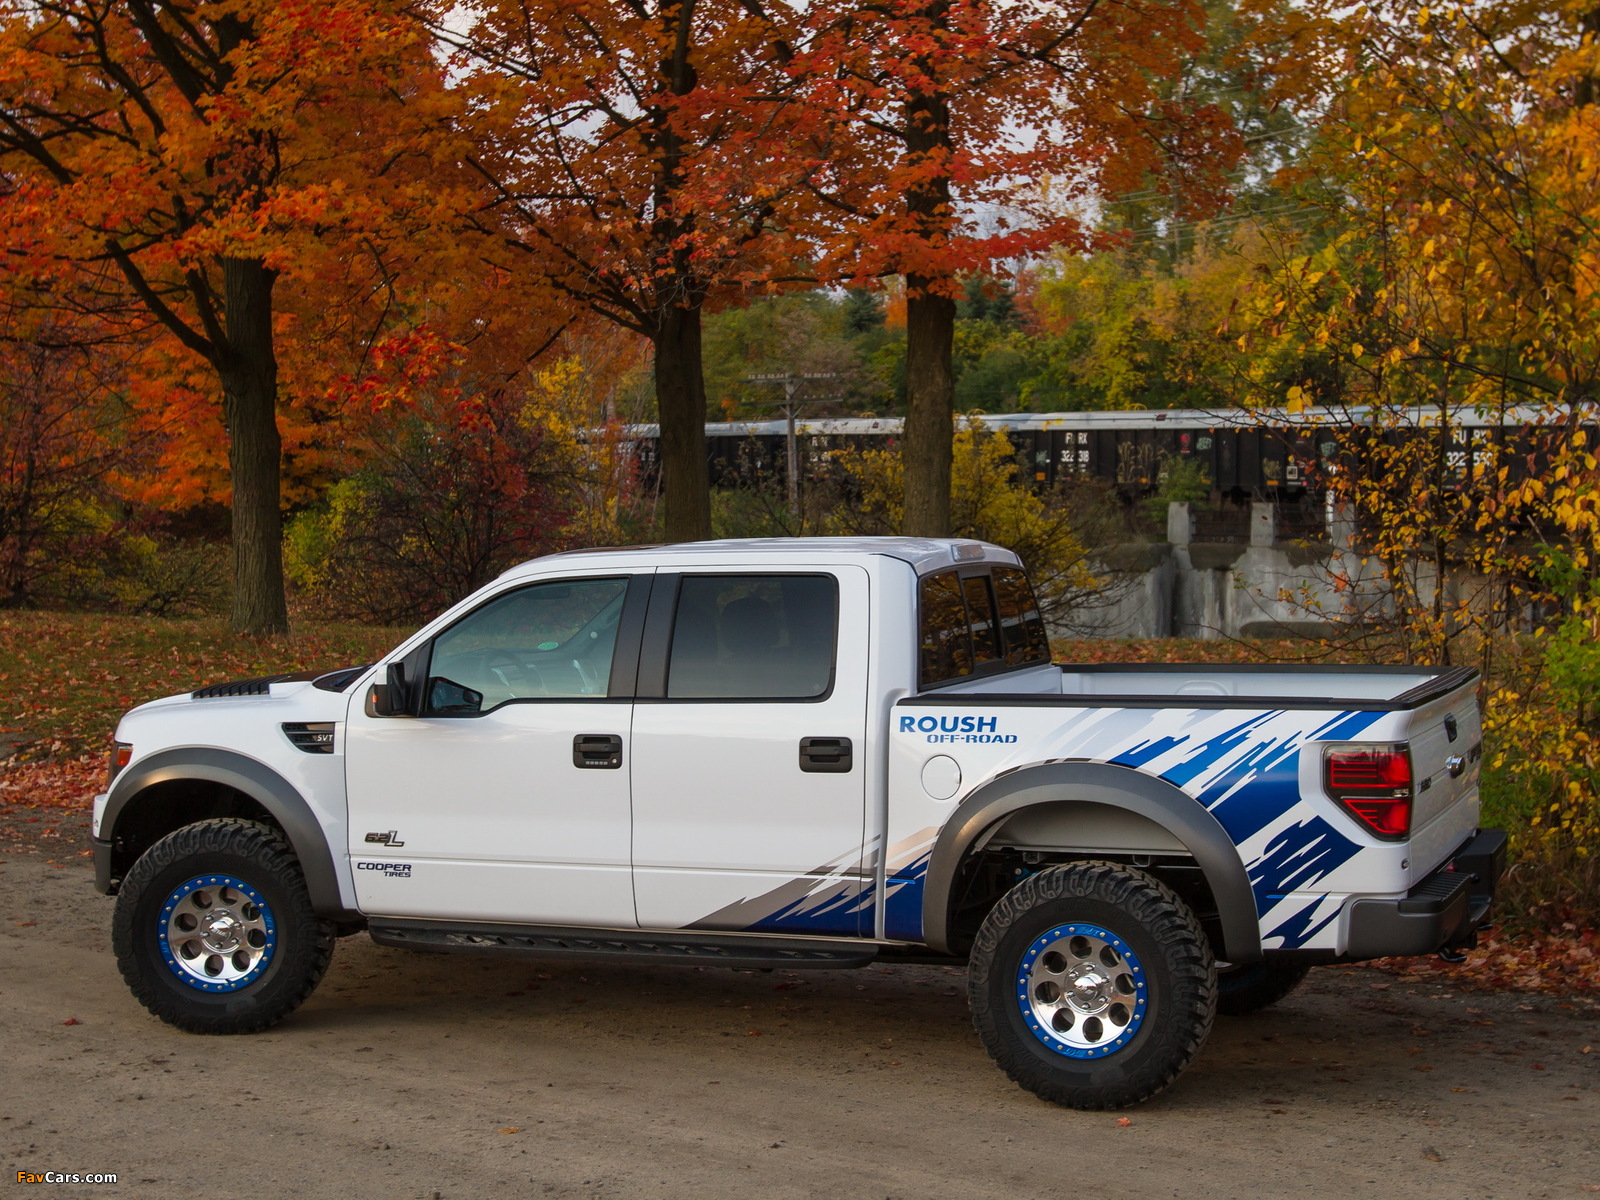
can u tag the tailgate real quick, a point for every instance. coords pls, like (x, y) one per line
(1446, 740)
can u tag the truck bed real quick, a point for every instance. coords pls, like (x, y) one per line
(1245, 685)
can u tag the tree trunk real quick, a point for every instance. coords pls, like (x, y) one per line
(930, 410)
(681, 402)
(1584, 89)
(930, 322)
(249, 373)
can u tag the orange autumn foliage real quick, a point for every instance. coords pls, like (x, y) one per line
(199, 169)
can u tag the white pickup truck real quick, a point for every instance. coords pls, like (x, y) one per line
(791, 753)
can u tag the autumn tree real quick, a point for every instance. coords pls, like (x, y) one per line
(1453, 271)
(638, 152)
(1120, 329)
(976, 133)
(459, 481)
(200, 156)
(991, 500)
(63, 435)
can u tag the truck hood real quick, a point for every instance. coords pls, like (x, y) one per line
(172, 720)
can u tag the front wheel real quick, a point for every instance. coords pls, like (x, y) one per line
(1092, 985)
(214, 930)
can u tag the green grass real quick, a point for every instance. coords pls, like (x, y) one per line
(65, 678)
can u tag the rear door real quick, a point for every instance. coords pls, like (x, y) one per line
(748, 792)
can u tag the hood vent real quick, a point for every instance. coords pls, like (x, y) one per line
(242, 687)
(337, 681)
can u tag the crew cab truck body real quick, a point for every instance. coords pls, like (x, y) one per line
(804, 752)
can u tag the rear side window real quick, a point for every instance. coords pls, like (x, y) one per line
(973, 624)
(1021, 626)
(753, 637)
(980, 620)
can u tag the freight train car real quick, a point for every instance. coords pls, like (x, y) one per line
(1245, 454)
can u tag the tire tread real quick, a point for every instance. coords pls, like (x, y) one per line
(1161, 913)
(269, 854)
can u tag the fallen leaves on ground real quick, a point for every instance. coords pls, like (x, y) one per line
(1564, 961)
(65, 784)
(69, 676)
(1186, 650)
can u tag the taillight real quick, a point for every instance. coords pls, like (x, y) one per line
(1374, 783)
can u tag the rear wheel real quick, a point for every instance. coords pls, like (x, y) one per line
(1252, 987)
(214, 930)
(1092, 985)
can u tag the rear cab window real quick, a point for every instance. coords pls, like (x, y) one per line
(975, 621)
(754, 637)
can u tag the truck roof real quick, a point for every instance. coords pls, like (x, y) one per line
(924, 554)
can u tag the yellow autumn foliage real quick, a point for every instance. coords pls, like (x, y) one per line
(1452, 270)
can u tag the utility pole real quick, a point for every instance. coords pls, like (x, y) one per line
(792, 386)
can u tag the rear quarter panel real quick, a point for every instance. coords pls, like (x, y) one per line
(1256, 770)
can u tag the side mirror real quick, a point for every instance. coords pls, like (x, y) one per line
(391, 698)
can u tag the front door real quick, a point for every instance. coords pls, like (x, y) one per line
(748, 779)
(506, 797)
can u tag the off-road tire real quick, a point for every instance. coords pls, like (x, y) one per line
(1252, 987)
(258, 857)
(1156, 932)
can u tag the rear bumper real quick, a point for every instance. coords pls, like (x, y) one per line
(1443, 911)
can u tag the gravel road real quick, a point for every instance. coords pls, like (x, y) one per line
(411, 1075)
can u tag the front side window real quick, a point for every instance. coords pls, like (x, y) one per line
(549, 641)
(753, 637)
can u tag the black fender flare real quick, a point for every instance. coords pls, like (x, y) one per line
(1097, 783)
(254, 779)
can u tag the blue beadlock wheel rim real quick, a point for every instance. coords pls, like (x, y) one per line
(216, 933)
(1082, 991)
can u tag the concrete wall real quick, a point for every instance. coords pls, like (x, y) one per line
(1259, 588)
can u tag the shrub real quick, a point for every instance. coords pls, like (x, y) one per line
(454, 491)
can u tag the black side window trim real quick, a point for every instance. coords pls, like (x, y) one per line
(624, 654)
(630, 632)
(656, 654)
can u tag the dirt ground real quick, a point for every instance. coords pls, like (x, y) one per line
(411, 1075)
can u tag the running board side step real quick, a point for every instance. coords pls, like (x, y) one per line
(687, 948)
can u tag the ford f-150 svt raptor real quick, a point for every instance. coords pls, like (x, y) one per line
(788, 753)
